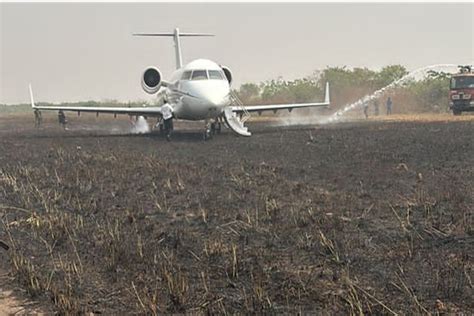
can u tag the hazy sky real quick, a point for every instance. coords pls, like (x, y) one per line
(85, 51)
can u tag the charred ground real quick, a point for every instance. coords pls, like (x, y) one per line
(372, 217)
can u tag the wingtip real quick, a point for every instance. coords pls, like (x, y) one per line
(326, 96)
(33, 105)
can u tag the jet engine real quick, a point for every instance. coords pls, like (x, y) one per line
(228, 74)
(151, 80)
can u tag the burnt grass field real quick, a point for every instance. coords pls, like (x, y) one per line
(352, 218)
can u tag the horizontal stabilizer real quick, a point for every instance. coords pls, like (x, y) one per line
(176, 36)
(172, 34)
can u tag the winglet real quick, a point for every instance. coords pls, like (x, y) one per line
(33, 105)
(326, 94)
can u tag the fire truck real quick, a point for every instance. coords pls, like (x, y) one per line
(461, 92)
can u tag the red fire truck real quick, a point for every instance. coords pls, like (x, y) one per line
(461, 92)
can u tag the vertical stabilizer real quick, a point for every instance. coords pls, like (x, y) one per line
(177, 43)
(177, 49)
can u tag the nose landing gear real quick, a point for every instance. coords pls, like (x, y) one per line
(208, 130)
(212, 128)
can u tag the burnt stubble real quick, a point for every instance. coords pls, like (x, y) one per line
(364, 217)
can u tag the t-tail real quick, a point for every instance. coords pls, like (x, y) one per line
(177, 45)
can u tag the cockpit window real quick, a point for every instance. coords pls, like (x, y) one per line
(199, 75)
(215, 74)
(186, 75)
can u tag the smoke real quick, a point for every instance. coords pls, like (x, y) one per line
(140, 126)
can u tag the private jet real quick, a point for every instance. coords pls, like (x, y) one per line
(197, 91)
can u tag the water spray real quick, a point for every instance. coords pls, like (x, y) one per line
(414, 75)
(140, 126)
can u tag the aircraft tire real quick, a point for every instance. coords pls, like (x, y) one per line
(207, 134)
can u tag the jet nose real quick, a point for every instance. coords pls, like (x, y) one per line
(213, 93)
(218, 100)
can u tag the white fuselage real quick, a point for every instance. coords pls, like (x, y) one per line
(198, 91)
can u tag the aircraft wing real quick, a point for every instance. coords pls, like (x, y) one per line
(276, 107)
(142, 111)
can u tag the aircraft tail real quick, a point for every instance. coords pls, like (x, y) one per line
(177, 45)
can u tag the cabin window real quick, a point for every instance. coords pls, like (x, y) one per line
(215, 74)
(199, 75)
(186, 75)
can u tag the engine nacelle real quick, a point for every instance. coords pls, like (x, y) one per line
(227, 73)
(151, 80)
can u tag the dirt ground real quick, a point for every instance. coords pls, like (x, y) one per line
(14, 300)
(358, 217)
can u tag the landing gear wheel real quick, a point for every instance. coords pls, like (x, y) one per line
(219, 127)
(207, 134)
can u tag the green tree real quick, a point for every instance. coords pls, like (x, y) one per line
(249, 93)
(432, 92)
(389, 74)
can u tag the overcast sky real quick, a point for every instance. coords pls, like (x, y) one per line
(85, 51)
